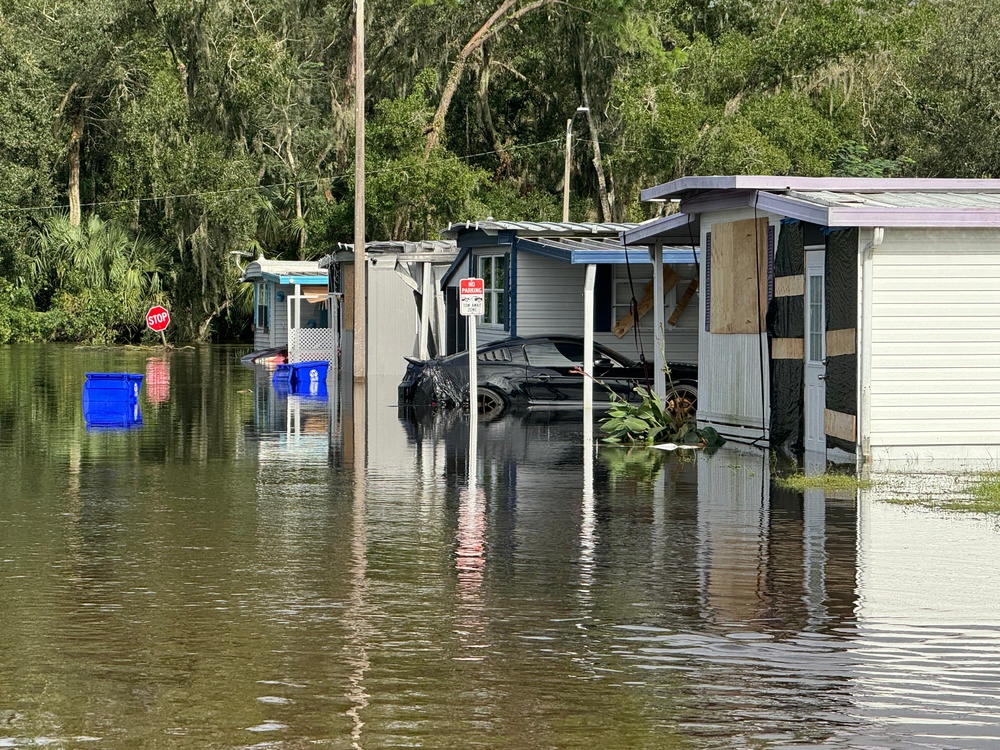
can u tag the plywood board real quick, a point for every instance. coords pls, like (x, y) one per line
(347, 271)
(624, 325)
(841, 342)
(839, 425)
(790, 286)
(683, 302)
(739, 267)
(787, 349)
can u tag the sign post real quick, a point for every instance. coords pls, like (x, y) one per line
(471, 302)
(158, 318)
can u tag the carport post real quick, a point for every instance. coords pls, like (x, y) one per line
(659, 334)
(588, 343)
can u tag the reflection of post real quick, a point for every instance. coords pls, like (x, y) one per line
(588, 520)
(357, 623)
(814, 553)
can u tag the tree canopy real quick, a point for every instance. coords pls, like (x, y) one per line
(170, 134)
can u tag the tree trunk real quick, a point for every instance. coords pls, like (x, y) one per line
(493, 25)
(486, 116)
(606, 197)
(75, 138)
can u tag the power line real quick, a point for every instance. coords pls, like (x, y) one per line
(252, 188)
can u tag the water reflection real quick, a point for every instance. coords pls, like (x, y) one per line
(252, 569)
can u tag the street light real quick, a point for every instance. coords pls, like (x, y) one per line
(569, 159)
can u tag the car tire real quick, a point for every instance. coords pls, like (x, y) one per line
(491, 403)
(682, 401)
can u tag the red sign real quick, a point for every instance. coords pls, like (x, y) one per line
(471, 294)
(157, 318)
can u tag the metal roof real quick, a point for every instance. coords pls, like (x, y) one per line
(443, 251)
(535, 228)
(285, 271)
(587, 250)
(831, 202)
(687, 186)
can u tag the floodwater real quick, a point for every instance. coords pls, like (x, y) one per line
(236, 571)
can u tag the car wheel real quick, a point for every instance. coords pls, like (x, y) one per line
(491, 403)
(682, 401)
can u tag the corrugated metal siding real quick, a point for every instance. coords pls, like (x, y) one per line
(935, 367)
(730, 367)
(392, 322)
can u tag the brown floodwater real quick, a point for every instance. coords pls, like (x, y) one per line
(230, 567)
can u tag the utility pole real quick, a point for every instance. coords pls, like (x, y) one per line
(360, 288)
(569, 162)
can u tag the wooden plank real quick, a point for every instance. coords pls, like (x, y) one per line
(790, 286)
(683, 302)
(738, 267)
(839, 425)
(788, 349)
(840, 342)
(624, 325)
(347, 278)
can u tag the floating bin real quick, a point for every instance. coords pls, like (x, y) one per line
(301, 378)
(111, 399)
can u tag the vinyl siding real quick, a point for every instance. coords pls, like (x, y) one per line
(935, 333)
(550, 300)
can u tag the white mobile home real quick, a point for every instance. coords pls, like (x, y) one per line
(842, 313)
(291, 309)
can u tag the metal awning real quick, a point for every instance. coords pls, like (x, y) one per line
(600, 250)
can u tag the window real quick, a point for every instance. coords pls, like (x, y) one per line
(262, 310)
(560, 354)
(493, 272)
(642, 276)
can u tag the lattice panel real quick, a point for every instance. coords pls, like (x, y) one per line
(307, 344)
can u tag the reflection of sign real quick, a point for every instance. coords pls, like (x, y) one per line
(471, 297)
(157, 380)
(157, 318)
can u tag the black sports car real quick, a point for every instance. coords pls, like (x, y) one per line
(537, 371)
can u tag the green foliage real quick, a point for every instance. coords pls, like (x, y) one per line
(647, 422)
(218, 127)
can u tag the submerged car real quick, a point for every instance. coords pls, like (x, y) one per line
(540, 371)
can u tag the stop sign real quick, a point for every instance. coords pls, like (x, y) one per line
(157, 318)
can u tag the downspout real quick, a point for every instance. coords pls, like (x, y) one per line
(864, 447)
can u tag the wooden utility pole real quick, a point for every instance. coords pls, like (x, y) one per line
(360, 291)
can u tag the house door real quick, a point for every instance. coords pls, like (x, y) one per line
(815, 351)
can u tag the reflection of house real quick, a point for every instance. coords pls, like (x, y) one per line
(535, 281)
(851, 313)
(291, 308)
(405, 305)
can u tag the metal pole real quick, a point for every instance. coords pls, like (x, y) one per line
(569, 151)
(360, 288)
(588, 343)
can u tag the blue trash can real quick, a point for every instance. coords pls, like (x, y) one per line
(111, 399)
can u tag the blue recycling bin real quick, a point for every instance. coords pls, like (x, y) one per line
(301, 379)
(111, 400)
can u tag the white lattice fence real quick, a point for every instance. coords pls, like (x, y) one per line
(308, 344)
